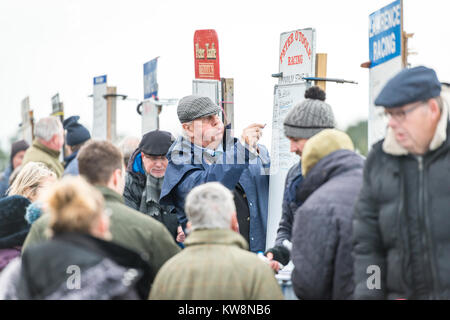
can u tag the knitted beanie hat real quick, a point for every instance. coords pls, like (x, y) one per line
(321, 145)
(310, 116)
(76, 132)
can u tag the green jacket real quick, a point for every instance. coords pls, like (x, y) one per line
(128, 227)
(40, 153)
(215, 265)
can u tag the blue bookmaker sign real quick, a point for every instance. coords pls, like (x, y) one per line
(150, 82)
(385, 33)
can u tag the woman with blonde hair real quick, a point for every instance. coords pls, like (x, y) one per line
(31, 180)
(78, 255)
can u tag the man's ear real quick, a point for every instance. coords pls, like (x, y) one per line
(434, 107)
(234, 223)
(54, 139)
(189, 129)
(116, 176)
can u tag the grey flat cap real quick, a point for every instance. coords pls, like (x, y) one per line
(194, 107)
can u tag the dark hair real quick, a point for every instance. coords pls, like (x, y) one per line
(77, 147)
(97, 161)
(315, 93)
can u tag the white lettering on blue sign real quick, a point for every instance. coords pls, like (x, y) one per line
(100, 80)
(385, 33)
(150, 81)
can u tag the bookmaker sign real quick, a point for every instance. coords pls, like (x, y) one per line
(206, 53)
(297, 55)
(385, 33)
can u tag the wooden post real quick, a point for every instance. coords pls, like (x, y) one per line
(31, 115)
(111, 114)
(228, 100)
(321, 69)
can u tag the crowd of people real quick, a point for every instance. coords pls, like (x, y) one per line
(164, 217)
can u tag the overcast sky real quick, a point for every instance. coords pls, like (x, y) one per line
(59, 46)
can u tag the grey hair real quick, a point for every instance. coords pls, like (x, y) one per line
(210, 206)
(47, 127)
(128, 145)
(440, 103)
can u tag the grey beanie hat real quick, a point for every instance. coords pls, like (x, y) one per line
(310, 116)
(194, 107)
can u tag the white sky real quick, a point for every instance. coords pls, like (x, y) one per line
(59, 46)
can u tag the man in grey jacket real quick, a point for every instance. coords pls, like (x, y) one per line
(401, 226)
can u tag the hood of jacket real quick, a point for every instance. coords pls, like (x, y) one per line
(50, 259)
(136, 169)
(335, 164)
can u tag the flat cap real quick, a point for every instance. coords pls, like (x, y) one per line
(156, 143)
(409, 85)
(194, 107)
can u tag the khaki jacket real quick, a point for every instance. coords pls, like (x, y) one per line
(215, 265)
(40, 153)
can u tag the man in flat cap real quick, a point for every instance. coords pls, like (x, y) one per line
(208, 152)
(401, 223)
(145, 175)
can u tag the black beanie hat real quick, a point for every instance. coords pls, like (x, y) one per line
(76, 133)
(156, 143)
(13, 226)
(18, 146)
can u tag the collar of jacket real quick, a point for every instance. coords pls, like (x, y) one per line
(392, 147)
(40, 146)
(70, 158)
(110, 195)
(216, 236)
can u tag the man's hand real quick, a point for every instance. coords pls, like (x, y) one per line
(275, 265)
(180, 235)
(252, 134)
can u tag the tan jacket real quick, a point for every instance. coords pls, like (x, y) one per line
(215, 265)
(40, 153)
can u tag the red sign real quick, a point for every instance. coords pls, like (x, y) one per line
(206, 53)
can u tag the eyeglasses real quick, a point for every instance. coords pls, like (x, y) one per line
(154, 158)
(400, 115)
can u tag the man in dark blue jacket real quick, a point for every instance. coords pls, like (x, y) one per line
(305, 120)
(205, 153)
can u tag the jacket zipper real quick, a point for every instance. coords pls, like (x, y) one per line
(426, 239)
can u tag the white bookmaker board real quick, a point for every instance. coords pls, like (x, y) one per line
(286, 96)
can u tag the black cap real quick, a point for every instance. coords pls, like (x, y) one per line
(408, 86)
(156, 143)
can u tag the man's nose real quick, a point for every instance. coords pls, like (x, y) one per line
(393, 122)
(293, 147)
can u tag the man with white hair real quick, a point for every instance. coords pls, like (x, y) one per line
(46, 147)
(215, 262)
